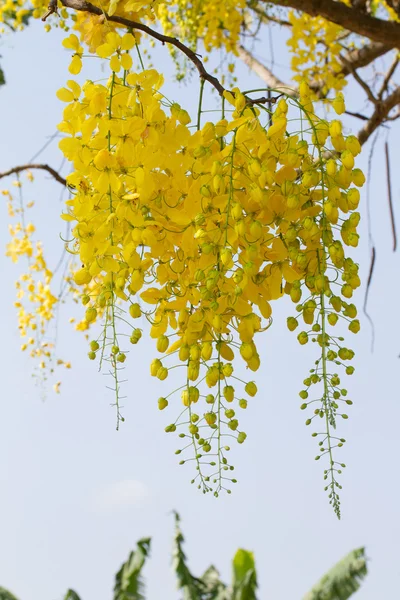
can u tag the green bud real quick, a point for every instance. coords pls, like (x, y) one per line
(241, 437)
(162, 403)
(292, 323)
(170, 428)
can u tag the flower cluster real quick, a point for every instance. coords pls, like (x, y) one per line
(35, 302)
(315, 52)
(198, 228)
(199, 231)
(216, 22)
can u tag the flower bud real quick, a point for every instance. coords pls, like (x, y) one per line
(162, 343)
(229, 393)
(155, 365)
(135, 311)
(162, 373)
(90, 314)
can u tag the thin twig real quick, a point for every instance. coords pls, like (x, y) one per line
(360, 81)
(265, 18)
(357, 115)
(44, 167)
(380, 114)
(395, 116)
(388, 77)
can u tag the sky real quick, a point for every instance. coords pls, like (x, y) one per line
(76, 494)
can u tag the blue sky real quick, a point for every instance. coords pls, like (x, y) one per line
(76, 495)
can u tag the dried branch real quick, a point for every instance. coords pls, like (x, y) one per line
(380, 114)
(377, 30)
(264, 73)
(44, 167)
(389, 188)
(367, 289)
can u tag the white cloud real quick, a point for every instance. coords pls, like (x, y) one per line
(120, 495)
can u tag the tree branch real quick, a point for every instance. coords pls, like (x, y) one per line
(265, 18)
(264, 73)
(359, 4)
(44, 167)
(377, 30)
(356, 59)
(381, 112)
(361, 57)
(82, 5)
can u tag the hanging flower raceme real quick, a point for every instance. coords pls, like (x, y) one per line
(199, 231)
(35, 301)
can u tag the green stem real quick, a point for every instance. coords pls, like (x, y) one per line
(202, 81)
(230, 186)
(111, 303)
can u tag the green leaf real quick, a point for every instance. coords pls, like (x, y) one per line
(192, 587)
(244, 583)
(2, 82)
(71, 595)
(129, 584)
(342, 580)
(6, 595)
